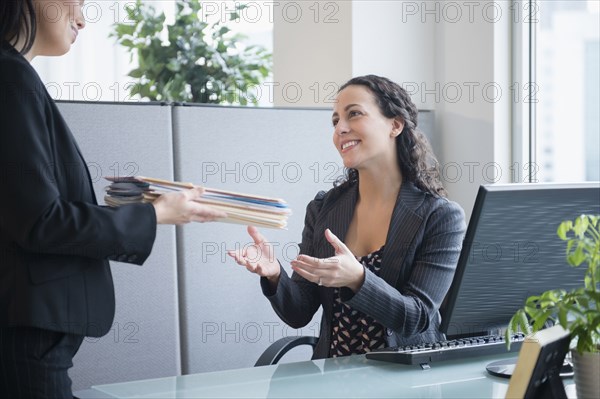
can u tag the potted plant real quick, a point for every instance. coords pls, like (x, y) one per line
(576, 310)
(191, 60)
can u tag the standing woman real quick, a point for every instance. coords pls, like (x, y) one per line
(378, 251)
(55, 241)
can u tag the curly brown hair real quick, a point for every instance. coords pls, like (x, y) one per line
(416, 159)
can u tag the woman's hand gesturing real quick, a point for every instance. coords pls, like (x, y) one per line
(258, 258)
(341, 270)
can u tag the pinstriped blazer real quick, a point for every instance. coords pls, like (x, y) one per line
(418, 263)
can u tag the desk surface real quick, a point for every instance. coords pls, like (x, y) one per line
(348, 377)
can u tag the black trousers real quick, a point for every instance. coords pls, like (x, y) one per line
(34, 362)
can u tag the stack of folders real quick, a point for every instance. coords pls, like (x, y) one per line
(241, 208)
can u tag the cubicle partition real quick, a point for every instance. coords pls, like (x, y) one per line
(286, 153)
(131, 139)
(190, 308)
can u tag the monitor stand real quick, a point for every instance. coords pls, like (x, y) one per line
(504, 368)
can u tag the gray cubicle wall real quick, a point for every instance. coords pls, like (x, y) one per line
(285, 153)
(189, 308)
(131, 139)
(426, 123)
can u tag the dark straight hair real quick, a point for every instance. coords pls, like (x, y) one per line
(17, 20)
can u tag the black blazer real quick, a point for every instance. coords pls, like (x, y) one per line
(418, 263)
(54, 238)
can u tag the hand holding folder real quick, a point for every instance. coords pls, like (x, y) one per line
(182, 207)
(240, 208)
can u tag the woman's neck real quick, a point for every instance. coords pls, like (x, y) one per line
(379, 188)
(19, 44)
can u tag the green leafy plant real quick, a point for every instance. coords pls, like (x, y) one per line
(576, 310)
(197, 62)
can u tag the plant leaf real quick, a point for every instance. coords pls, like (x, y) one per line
(564, 228)
(171, 68)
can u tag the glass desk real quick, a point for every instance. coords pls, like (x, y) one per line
(349, 377)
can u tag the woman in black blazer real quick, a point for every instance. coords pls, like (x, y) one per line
(55, 241)
(379, 250)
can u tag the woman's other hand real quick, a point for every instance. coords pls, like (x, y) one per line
(341, 270)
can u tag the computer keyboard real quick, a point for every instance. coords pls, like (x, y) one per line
(448, 350)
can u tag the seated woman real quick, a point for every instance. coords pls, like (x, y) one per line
(379, 250)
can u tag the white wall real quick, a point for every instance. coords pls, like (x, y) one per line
(473, 107)
(452, 57)
(312, 51)
(389, 42)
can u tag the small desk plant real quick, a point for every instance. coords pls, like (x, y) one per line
(576, 310)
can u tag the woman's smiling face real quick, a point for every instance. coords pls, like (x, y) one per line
(363, 136)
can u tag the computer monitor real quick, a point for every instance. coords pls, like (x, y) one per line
(511, 251)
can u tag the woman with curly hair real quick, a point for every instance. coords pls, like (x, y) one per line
(379, 250)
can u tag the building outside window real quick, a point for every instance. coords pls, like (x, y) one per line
(567, 49)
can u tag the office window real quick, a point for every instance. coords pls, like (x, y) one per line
(566, 52)
(96, 68)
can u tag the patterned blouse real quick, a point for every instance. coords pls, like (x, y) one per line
(353, 331)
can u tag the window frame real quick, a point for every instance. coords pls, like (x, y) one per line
(524, 135)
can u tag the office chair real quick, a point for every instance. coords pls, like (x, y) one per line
(277, 349)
